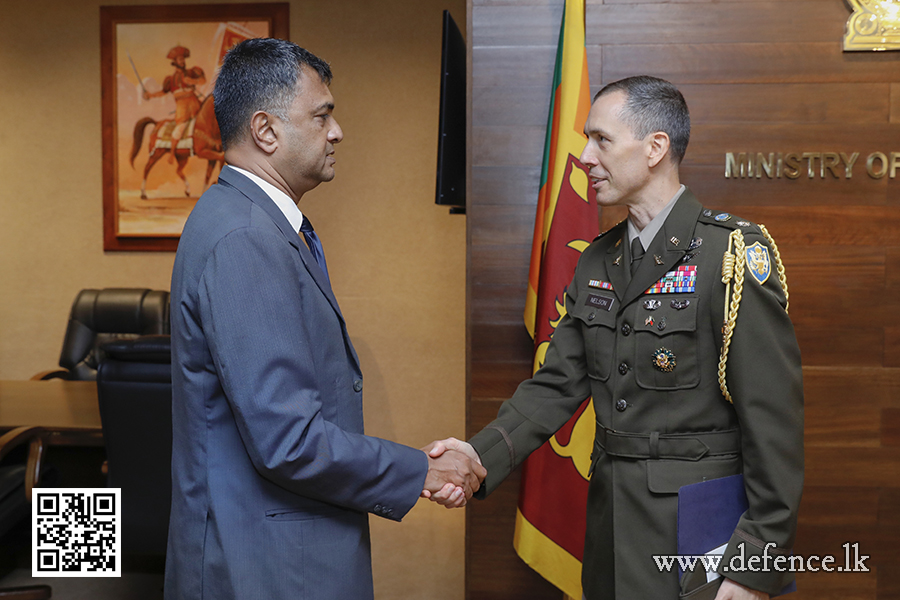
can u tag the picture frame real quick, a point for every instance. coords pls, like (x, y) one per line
(158, 68)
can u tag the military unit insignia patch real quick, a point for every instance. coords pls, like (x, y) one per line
(603, 285)
(722, 217)
(681, 280)
(695, 243)
(758, 262)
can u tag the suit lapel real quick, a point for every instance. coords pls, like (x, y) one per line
(261, 199)
(667, 248)
(616, 263)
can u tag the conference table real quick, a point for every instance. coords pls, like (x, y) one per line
(67, 410)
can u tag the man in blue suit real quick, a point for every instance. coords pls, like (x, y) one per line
(272, 475)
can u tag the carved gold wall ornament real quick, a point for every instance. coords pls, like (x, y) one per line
(874, 25)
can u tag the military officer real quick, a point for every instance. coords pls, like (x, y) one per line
(182, 84)
(692, 379)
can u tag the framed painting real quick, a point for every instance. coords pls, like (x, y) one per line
(161, 144)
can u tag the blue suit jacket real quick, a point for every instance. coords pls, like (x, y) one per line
(272, 477)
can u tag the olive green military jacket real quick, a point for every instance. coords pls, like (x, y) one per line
(650, 361)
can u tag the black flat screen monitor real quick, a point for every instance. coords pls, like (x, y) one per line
(451, 165)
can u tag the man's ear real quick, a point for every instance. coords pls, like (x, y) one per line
(262, 130)
(658, 148)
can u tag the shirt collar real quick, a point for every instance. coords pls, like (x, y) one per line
(649, 232)
(281, 200)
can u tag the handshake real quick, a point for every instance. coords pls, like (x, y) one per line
(454, 472)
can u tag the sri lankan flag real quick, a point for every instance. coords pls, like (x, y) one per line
(550, 522)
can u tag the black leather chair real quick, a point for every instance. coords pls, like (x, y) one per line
(17, 479)
(99, 316)
(134, 386)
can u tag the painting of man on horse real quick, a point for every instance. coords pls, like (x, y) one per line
(165, 73)
(192, 132)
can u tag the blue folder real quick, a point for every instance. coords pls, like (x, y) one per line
(708, 513)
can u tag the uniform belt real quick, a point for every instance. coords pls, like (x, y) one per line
(655, 445)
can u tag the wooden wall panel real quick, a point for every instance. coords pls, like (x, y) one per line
(503, 265)
(759, 76)
(500, 224)
(505, 66)
(512, 106)
(823, 506)
(664, 23)
(500, 306)
(784, 62)
(495, 341)
(505, 185)
(710, 142)
(708, 181)
(839, 586)
(498, 379)
(590, 2)
(794, 103)
(828, 225)
(506, 146)
(890, 427)
(747, 22)
(531, 26)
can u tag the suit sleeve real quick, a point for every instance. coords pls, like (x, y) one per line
(765, 380)
(540, 406)
(261, 343)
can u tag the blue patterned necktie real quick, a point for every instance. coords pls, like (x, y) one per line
(315, 246)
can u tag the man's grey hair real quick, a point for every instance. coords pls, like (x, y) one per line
(652, 105)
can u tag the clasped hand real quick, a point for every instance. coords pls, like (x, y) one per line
(454, 472)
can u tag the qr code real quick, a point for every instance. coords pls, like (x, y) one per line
(75, 532)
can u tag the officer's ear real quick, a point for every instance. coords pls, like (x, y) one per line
(657, 147)
(263, 131)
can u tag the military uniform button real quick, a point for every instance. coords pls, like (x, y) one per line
(623, 368)
(591, 316)
(357, 385)
(621, 405)
(626, 329)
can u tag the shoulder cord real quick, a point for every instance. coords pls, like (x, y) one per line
(732, 268)
(779, 266)
(733, 265)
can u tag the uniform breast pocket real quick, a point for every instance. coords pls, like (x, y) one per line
(596, 312)
(667, 343)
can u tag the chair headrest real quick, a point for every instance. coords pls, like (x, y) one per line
(123, 310)
(147, 348)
